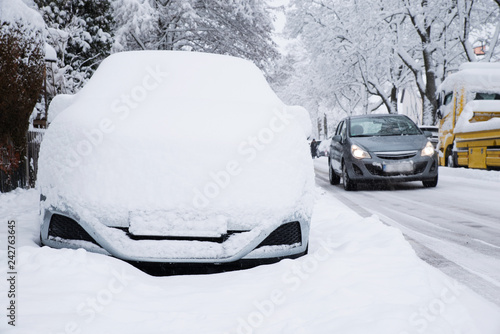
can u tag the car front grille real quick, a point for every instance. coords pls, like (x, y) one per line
(67, 228)
(286, 234)
(218, 240)
(397, 155)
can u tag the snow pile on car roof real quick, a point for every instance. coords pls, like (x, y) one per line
(483, 77)
(181, 132)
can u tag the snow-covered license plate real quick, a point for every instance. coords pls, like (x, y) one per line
(161, 223)
(398, 167)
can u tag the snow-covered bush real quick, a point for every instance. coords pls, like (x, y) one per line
(21, 73)
(81, 33)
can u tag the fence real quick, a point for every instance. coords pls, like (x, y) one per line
(25, 175)
(34, 141)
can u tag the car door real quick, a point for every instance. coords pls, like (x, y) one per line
(336, 147)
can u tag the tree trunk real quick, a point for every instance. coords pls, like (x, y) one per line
(394, 100)
(429, 101)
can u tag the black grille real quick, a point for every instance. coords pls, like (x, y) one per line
(286, 234)
(67, 228)
(218, 240)
(396, 155)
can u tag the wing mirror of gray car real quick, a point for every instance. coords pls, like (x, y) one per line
(337, 138)
(428, 134)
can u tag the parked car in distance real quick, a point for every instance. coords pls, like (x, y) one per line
(323, 148)
(431, 132)
(115, 176)
(388, 148)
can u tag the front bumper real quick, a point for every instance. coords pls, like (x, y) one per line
(266, 241)
(393, 169)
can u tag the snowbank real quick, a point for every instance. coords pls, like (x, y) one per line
(360, 276)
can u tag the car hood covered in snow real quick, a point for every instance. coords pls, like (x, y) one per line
(198, 137)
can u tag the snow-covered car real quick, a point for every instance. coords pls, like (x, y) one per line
(324, 147)
(383, 148)
(115, 176)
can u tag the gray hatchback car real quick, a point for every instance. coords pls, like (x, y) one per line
(388, 148)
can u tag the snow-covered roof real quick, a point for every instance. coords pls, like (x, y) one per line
(484, 77)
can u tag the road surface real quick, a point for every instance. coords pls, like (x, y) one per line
(455, 227)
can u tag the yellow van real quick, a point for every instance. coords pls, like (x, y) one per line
(469, 113)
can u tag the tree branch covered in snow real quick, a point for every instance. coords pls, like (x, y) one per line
(81, 32)
(240, 28)
(383, 47)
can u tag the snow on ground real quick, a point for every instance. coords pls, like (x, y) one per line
(454, 227)
(360, 276)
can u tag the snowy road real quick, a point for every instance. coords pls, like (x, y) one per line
(455, 227)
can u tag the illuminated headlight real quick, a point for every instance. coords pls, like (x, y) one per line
(359, 153)
(428, 150)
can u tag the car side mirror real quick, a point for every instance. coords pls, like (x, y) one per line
(428, 134)
(439, 114)
(337, 138)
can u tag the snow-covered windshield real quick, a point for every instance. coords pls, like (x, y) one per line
(383, 126)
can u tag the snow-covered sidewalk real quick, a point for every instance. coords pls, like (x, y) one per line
(360, 276)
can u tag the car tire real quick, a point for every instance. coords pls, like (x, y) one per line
(332, 176)
(346, 181)
(430, 184)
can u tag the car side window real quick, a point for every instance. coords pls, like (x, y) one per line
(337, 131)
(343, 130)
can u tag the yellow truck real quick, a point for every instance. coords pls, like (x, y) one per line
(469, 113)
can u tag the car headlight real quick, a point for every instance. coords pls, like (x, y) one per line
(428, 150)
(359, 153)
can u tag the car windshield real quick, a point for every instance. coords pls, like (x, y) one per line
(383, 126)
